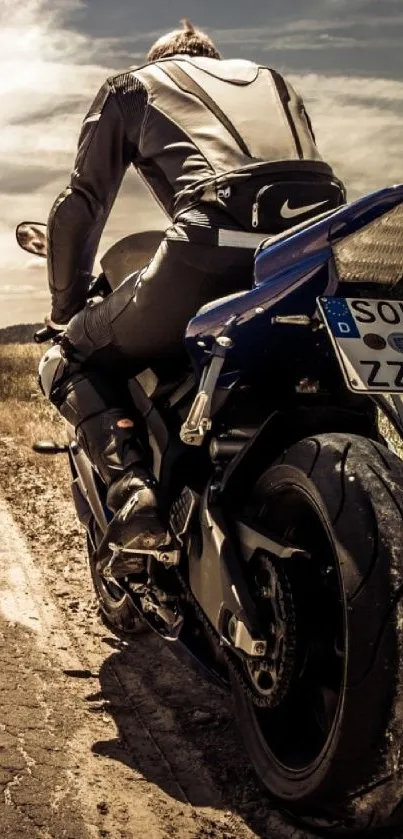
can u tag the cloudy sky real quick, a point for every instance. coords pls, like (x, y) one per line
(345, 57)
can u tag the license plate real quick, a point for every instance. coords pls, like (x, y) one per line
(368, 338)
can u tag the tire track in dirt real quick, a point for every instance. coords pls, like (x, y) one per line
(148, 748)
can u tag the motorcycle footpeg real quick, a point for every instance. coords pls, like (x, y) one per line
(124, 562)
(160, 609)
(156, 605)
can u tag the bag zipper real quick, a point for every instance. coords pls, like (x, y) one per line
(255, 206)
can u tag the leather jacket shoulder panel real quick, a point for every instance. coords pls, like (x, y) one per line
(234, 71)
(132, 98)
(99, 101)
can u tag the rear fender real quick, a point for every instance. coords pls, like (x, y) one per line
(285, 427)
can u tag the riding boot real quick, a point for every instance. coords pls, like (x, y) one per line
(132, 495)
(109, 439)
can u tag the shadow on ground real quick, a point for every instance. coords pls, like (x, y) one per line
(167, 705)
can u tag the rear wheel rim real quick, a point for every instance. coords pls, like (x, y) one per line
(299, 731)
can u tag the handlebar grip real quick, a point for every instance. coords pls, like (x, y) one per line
(45, 334)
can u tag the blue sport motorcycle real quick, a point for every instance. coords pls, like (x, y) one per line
(285, 580)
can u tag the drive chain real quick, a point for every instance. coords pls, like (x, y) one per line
(235, 664)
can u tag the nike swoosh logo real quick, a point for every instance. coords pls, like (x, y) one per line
(287, 212)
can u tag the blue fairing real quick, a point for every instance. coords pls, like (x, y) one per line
(291, 271)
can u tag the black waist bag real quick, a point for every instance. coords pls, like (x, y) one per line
(265, 197)
(273, 207)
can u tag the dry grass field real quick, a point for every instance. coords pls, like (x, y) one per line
(25, 414)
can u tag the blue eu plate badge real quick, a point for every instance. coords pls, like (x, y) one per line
(339, 317)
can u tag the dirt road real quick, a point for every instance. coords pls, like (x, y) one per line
(100, 737)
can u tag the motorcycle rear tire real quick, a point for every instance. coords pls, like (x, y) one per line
(353, 488)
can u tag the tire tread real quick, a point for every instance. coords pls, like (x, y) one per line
(359, 484)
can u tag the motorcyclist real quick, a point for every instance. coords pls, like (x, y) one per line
(228, 151)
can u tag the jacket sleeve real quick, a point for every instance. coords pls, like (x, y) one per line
(79, 214)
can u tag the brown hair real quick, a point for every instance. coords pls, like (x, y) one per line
(189, 41)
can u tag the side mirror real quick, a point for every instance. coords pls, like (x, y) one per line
(32, 237)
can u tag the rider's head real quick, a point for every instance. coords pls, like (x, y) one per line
(186, 41)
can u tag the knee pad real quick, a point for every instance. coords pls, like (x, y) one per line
(51, 369)
(89, 330)
(67, 387)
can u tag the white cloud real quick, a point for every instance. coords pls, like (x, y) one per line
(49, 74)
(309, 33)
(44, 87)
(48, 77)
(359, 127)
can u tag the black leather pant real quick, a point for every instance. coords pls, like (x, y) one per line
(143, 320)
(146, 316)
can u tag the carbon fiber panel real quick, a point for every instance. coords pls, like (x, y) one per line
(373, 254)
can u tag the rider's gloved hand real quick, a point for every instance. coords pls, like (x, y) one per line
(50, 331)
(99, 287)
(58, 327)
